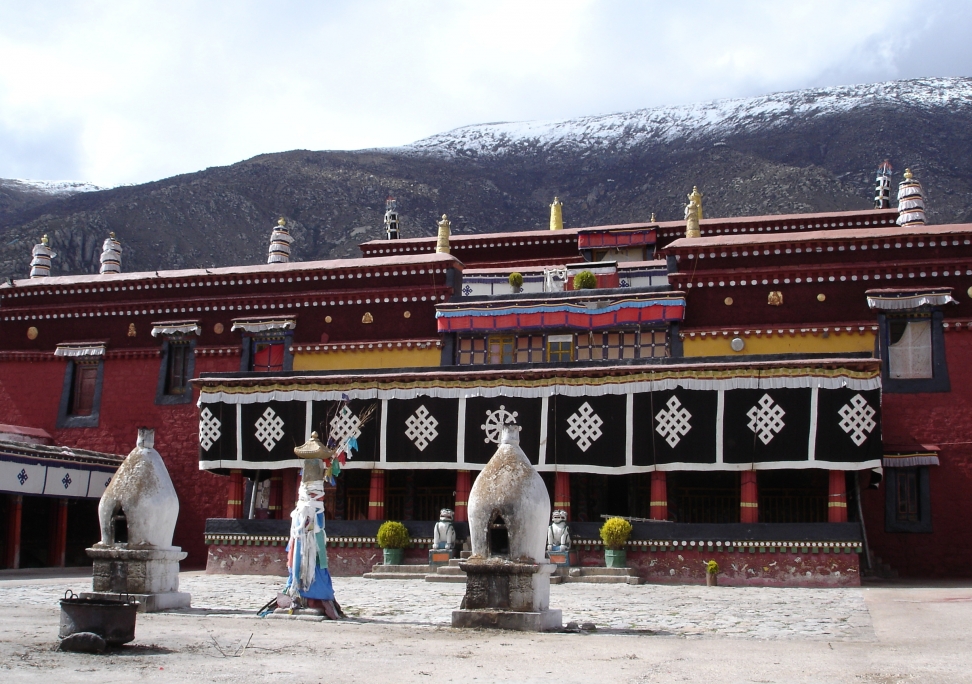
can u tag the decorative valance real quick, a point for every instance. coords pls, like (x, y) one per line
(80, 349)
(264, 323)
(897, 456)
(176, 328)
(817, 418)
(899, 299)
(600, 239)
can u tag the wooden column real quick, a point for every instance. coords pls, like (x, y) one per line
(15, 512)
(659, 496)
(288, 489)
(57, 542)
(749, 497)
(562, 493)
(234, 500)
(276, 495)
(376, 496)
(463, 485)
(837, 503)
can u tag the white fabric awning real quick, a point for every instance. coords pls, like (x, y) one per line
(253, 325)
(80, 350)
(176, 328)
(910, 301)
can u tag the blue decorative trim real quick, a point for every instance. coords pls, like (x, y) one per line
(555, 308)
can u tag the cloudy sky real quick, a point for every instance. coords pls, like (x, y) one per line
(124, 92)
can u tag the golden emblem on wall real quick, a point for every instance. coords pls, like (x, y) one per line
(31, 333)
(821, 297)
(328, 319)
(407, 314)
(367, 318)
(775, 298)
(131, 330)
(728, 301)
(218, 328)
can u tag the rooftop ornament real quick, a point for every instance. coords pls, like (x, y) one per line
(882, 193)
(442, 241)
(556, 215)
(40, 265)
(111, 255)
(693, 214)
(280, 240)
(911, 201)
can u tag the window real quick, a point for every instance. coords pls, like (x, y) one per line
(82, 400)
(529, 349)
(653, 344)
(598, 346)
(268, 356)
(472, 350)
(909, 349)
(500, 349)
(907, 500)
(178, 372)
(560, 348)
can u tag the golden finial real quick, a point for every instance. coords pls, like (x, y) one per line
(281, 221)
(556, 215)
(111, 235)
(908, 175)
(697, 196)
(652, 219)
(44, 240)
(693, 214)
(442, 242)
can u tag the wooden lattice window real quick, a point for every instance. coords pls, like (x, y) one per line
(501, 349)
(177, 368)
(83, 387)
(560, 348)
(472, 350)
(653, 344)
(529, 349)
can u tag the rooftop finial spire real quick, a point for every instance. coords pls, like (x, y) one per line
(693, 214)
(442, 242)
(391, 219)
(280, 240)
(111, 255)
(556, 215)
(882, 194)
(911, 201)
(40, 265)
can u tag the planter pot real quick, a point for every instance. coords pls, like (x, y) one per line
(615, 558)
(393, 556)
(113, 621)
(711, 579)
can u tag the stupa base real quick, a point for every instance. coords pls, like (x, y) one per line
(542, 621)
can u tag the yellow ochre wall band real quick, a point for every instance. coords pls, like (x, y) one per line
(712, 345)
(372, 358)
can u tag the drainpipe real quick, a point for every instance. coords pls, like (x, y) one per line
(860, 517)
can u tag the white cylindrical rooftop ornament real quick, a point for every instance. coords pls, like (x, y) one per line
(882, 193)
(392, 231)
(442, 241)
(40, 264)
(911, 201)
(280, 241)
(111, 255)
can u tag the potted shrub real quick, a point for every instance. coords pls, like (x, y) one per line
(516, 281)
(614, 534)
(711, 573)
(585, 280)
(393, 538)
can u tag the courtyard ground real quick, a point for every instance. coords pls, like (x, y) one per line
(398, 631)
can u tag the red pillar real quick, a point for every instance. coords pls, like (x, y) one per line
(57, 543)
(659, 496)
(276, 495)
(15, 511)
(234, 502)
(749, 498)
(376, 496)
(562, 492)
(288, 490)
(837, 503)
(463, 485)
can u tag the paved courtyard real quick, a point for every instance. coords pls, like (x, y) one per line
(399, 631)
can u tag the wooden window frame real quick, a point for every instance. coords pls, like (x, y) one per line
(894, 478)
(66, 417)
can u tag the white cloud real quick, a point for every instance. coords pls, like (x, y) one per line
(129, 92)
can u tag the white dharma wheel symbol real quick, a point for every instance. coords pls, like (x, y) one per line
(495, 420)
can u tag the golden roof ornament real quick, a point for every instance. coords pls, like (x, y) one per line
(313, 448)
(442, 241)
(556, 215)
(911, 201)
(693, 214)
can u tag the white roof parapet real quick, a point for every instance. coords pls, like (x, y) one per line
(263, 324)
(80, 349)
(909, 302)
(176, 328)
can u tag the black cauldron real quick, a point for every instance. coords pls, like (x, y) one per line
(113, 621)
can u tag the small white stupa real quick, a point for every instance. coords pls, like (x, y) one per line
(111, 255)
(40, 264)
(280, 240)
(911, 201)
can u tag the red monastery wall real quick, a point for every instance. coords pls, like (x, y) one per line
(127, 403)
(943, 419)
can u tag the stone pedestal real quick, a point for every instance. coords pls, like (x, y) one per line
(507, 595)
(150, 575)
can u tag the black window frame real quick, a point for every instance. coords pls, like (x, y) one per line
(65, 419)
(162, 396)
(923, 482)
(251, 340)
(939, 382)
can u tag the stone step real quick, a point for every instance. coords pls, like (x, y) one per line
(454, 562)
(609, 572)
(411, 569)
(603, 579)
(454, 579)
(448, 570)
(393, 575)
(465, 554)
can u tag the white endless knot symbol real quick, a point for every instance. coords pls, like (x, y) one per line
(421, 428)
(345, 424)
(495, 420)
(585, 427)
(857, 419)
(269, 429)
(766, 419)
(208, 429)
(673, 424)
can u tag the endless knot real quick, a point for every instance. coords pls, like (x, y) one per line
(421, 428)
(673, 424)
(269, 429)
(857, 419)
(467, 290)
(22, 476)
(766, 419)
(345, 424)
(66, 480)
(208, 429)
(585, 426)
(495, 420)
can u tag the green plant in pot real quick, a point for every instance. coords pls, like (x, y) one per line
(614, 534)
(711, 573)
(516, 281)
(393, 538)
(585, 280)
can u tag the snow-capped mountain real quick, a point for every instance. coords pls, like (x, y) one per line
(709, 120)
(49, 187)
